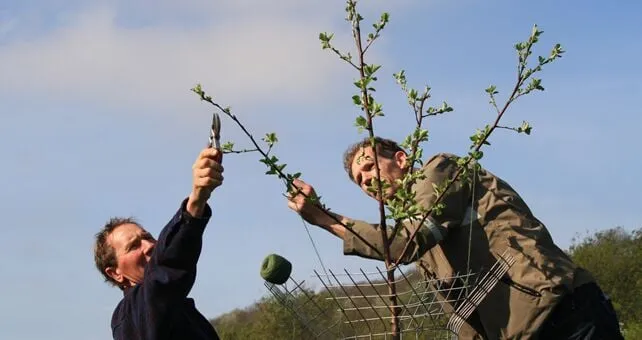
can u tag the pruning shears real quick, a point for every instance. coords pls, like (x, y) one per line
(215, 134)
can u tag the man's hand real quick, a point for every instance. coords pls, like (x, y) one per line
(207, 175)
(311, 211)
(301, 202)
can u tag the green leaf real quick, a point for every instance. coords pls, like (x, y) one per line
(535, 33)
(198, 89)
(556, 52)
(525, 128)
(361, 123)
(325, 39)
(227, 147)
(477, 155)
(362, 83)
(412, 95)
(375, 109)
(270, 139)
(445, 107)
(492, 90)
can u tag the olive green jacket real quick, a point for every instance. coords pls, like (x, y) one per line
(479, 223)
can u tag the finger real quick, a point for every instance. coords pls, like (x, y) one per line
(295, 185)
(299, 200)
(205, 153)
(299, 184)
(208, 172)
(203, 163)
(293, 192)
(207, 182)
(211, 153)
(208, 163)
(294, 206)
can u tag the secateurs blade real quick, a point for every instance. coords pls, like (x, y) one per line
(215, 132)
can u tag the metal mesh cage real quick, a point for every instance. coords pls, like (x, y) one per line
(359, 305)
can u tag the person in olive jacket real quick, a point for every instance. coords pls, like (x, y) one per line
(542, 295)
(157, 276)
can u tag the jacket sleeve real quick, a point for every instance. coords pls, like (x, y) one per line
(438, 169)
(169, 276)
(171, 271)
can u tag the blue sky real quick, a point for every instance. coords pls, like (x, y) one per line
(98, 120)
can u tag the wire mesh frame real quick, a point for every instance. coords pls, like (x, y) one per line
(358, 305)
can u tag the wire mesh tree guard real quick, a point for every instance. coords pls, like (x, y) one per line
(356, 305)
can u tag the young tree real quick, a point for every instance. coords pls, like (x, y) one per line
(403, 205)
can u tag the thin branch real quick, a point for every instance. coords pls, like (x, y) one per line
(493, 102)
(368, 45)
(394, 309)
(460, 170)
(241, 151)
(370, 42)
(280, 173)
(508, 128)
(524, 52)
(356, 30)
(413, 150)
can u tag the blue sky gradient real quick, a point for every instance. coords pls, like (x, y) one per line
(98, 120)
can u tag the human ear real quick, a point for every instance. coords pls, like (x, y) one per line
(115, 274)
(401, 159)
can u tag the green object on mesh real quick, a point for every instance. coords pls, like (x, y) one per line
(276, 269)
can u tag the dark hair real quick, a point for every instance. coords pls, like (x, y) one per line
(104, 253)
(385, 148)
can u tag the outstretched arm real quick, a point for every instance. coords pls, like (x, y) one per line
(364, 239)
(300, 202)
(171, 272)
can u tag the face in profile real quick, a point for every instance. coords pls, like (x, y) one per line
(133, 247)
(364, 171)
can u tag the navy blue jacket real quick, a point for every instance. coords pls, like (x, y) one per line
(158, 308)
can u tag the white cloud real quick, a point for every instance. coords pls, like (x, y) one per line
(260, 57)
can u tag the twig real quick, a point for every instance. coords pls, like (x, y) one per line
(280, 173)
(465, 165)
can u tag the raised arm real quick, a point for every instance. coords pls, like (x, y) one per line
(171, 271)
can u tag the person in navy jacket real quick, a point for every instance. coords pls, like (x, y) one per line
(156, 276)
